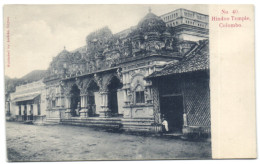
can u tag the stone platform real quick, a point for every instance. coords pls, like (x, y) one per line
(114, 123)
(126, 124)
(140, 125)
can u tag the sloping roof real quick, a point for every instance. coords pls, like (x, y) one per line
(26, 98)
(196, 60)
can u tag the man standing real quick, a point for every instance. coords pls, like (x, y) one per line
(165, 125)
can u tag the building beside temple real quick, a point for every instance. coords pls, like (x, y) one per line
(28, 102)
(187, 25)
(132, 79)
(183, 93)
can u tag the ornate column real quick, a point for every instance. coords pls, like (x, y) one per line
(67, 106)
(127, 96)
(84, 109)
(106, 112)
(148, 92)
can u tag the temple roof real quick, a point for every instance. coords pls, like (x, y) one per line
(151, 22)
(196, 60)
(63, 54)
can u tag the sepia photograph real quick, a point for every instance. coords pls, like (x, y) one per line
(107, 82)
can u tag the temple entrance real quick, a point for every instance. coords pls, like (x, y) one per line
(114, 85)
(93, 87)
(171, 103)
(75, 100)
(172, 111)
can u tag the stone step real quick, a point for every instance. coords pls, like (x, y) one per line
(137, 123)
(91, 124)
(114, 123)
(137, 120)
(93, 120)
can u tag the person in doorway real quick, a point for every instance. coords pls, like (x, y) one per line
(165, 125)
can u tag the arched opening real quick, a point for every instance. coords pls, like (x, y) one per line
(92, 89)
(75, 100)
(113, 87)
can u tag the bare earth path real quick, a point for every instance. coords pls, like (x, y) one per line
(61, 143)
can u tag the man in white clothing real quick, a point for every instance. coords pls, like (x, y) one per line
(165, 124)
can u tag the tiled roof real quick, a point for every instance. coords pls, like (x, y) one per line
(26, 98)
(197, 59)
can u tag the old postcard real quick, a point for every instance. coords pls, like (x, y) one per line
(129, 82)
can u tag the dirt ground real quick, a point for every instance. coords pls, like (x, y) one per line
(73, 143)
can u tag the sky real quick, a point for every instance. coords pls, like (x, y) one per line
(37, 33)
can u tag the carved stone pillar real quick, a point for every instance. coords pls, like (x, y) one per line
(67, 105)
(85, 104)
(62, 102)
(48, 103)
(148, 95)
(67, 102)
(106, 112)
(126, 99)
(84, 110)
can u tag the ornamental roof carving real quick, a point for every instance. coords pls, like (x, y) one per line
(196, 60)
(151, 23)
(104, 50)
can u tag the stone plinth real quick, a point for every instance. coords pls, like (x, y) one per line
(68, 114)
(105, 112)
(83, 113)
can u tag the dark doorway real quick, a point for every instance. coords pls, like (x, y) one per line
(113, 86)
(20, 110)
(25, 112)
(38, 109)
(31, 112)
(75, 100)
(172, 111)
(93, 87)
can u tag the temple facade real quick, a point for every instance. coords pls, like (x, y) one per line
(106, 81)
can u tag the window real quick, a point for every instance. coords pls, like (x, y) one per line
(139, 96)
